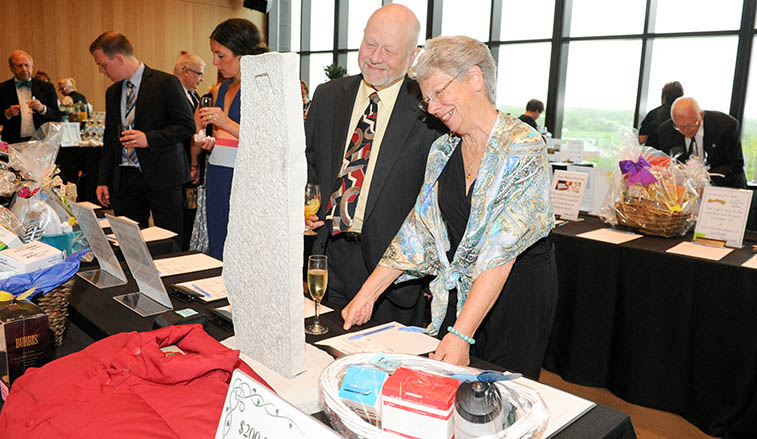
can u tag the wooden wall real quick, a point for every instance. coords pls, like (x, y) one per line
(57, 33)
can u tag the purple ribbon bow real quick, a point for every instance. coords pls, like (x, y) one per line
(637, 172)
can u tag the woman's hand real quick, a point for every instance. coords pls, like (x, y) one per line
(206, 143)
(215, 116)
(452, 349)
(359, 310)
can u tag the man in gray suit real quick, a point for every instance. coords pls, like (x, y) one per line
(367, 144)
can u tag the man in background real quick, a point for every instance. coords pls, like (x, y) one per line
(147, 118)
(711, 135)
(534, 109)
(26, 102)
(190, 69)
(651, 123)
(367, 141)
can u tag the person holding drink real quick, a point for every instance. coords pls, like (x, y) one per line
(143, 166)
(480, 223)
(229, 41)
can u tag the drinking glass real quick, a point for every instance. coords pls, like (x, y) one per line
(318, 279)
(312, 203)
(205, 101)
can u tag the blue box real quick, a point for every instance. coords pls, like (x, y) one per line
(361, 389)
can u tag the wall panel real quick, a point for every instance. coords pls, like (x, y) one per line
(58, 37)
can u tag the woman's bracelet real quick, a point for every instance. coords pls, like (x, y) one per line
(467, 339)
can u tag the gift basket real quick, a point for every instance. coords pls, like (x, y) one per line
(651, 192)
(39, 249)
(376, 396)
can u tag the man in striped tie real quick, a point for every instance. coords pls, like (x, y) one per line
(143, 166)
(367, 143)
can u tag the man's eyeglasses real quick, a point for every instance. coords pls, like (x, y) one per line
(423, 104)
(692, 126)
(199, 74)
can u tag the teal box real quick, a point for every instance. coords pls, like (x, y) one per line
(361, 387)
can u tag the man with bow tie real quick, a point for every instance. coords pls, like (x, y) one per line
(26, 102)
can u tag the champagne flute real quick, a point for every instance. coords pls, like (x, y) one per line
(205, 101)
(318, 279)
(312, 203)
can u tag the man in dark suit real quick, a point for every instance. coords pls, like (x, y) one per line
(190, 69)
(378, 110)
(147, 117)
(709, 134)
(27, 102)
(651, 123)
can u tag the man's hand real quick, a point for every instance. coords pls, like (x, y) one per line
(35, 105)
(103, 196)
(133, 139)
(13, 111)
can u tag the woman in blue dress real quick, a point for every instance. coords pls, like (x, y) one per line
(229, 41)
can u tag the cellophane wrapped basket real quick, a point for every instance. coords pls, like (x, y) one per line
(531, 414)
(653, 193)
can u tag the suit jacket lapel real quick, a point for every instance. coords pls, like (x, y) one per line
(144, 90)
(10, 85)
(707, 135)
(403, 117)
(342, 115)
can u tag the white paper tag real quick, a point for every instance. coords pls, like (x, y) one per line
(567, 192)
(723, 215)
(252, 411)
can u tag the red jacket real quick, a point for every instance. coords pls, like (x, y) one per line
(124, 386)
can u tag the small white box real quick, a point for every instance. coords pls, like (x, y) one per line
(8, 239)
(29, 257)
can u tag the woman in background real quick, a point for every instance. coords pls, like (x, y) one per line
(229, 41)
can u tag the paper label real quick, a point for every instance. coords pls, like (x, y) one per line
(252, 411)
(723, 215)
(567, 192)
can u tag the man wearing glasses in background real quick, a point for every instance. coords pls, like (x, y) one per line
(711, 135)
(367, 144)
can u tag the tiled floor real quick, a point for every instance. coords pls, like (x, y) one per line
(648, 423)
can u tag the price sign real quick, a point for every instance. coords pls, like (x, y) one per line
(252, 411)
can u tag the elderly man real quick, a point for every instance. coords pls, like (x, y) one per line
(709, 134)
(367, 143)
(26, 102)
(143, 165)
(190, 70)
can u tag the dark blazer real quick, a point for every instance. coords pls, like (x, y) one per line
(398, 174)
(43, 91)
(650, 126)
(722, 147)
(165, 116)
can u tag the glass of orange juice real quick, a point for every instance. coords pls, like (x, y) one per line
(312, 203)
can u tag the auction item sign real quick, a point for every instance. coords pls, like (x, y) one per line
(253, 411)
(24, 339)
(723, 216)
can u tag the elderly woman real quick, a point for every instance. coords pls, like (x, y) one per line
(67, 88)
(480, 224)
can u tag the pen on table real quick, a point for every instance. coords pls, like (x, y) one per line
(205, 293)
(365, 334)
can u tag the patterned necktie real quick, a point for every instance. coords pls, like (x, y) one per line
(195, 99)
(343, 200)
(693, 147)
(129, 155)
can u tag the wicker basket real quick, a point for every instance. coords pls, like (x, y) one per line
(55, 305)
(648, 218)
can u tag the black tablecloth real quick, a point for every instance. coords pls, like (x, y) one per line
(660, 330)
(99, 315)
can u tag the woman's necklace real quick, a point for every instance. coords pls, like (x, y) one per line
(468, 172)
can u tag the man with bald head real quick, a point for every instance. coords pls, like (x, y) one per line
(712, 135)
(367, 144)
(26, 102)
(190, 70)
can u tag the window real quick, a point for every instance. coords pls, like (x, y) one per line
(460, 18)
(522, 74)
(529, 20)
(602, 17)
(317, 62)
(321, 25)
(359, 13)
(703, 65)
(749, 124)
(697, 15)
(420, 9)
(600, 92)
